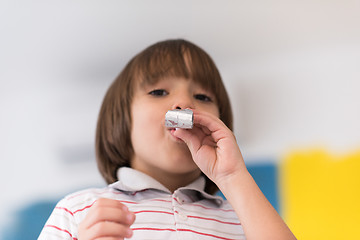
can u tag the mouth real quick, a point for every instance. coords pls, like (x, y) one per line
(172, 130)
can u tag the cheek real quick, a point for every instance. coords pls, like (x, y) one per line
(145, 125)
(215, 111)
(139, 125)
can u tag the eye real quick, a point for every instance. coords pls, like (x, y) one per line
(158, 92)
(203, 97)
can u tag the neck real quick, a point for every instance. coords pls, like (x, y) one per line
(178, 180)
(170, 180)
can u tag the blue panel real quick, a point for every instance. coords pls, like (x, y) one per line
(266, 177)
(29, 221)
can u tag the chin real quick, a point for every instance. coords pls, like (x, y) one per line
(181, 166)
(185, 170)
(182, 155)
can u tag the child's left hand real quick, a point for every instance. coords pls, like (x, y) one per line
(213, 147)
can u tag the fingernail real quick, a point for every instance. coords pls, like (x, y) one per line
(129, 232)
(130, 217)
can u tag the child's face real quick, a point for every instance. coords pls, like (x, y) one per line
(156, 150)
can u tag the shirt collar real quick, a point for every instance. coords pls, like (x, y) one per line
(131, 180)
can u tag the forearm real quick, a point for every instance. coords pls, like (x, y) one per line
(257, 216)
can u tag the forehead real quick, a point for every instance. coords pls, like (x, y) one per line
(152, 68)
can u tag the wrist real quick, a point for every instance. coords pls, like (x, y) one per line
(235, 179)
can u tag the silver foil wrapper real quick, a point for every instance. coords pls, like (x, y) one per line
(179, 118)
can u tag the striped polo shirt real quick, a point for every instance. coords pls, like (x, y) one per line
(187, 213)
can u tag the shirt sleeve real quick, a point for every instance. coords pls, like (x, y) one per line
(61, 224)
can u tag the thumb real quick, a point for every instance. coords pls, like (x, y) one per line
(189, 137)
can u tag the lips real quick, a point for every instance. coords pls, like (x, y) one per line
(172, 130)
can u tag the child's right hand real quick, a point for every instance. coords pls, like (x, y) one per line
(107, 219)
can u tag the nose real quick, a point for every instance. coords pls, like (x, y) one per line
(183, 101)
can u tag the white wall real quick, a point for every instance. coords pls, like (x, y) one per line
(291, 69)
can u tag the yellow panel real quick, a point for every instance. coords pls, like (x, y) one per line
(321, 195)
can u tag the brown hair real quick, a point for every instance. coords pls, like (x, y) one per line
(171, 58)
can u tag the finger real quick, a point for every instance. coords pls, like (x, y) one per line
(204, 129)
(204, 135)
(191, 139)
(209, 141)
(107, 202)
(217, 128)
(208, 120)
(108, 230)
(195, 139)
(198, 131)
(110, 214)
(108, 210)
(102, 203)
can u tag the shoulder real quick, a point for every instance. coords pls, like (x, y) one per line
(72, 209)
(83, 199)
(77, 204)
(69, 212)
(85, 194)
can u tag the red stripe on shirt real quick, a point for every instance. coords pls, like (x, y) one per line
(123, 201)
(153, 200)
(91, 191)
(110, 190)
(65, 209)
(62, 230)
(160, 200)
(153, 211)
(82, 209)
(205, 234)
(154, 229)
(149, 211)
(76, 211)
(215, 209)
(216, 220)
(211, 219)
(182, 230)
(88, 206)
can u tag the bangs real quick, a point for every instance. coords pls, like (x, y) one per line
(176, 59)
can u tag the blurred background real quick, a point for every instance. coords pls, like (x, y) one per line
(292, 70)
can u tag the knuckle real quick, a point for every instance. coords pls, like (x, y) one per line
(99, 228)
(99, 202)
(97, 213)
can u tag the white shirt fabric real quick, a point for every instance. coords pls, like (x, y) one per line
(188, 213)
